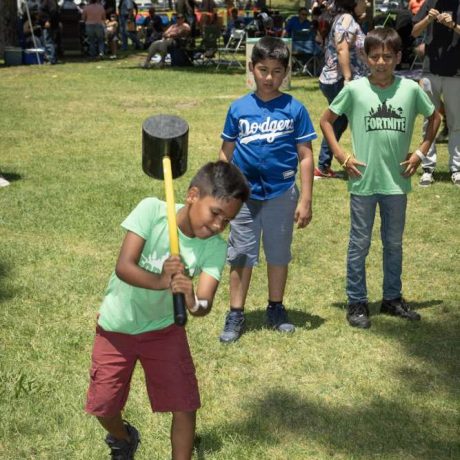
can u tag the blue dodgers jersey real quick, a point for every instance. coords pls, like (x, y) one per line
(266, 135)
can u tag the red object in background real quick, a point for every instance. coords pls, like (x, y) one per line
(415, 5)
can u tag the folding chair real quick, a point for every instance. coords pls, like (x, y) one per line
(228, 54)
(182, 52)
(307, 55)
(209, 45)
(417, 61)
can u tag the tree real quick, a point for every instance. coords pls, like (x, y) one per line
(8, 24)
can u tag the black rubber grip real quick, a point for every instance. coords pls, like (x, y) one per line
(180, 311)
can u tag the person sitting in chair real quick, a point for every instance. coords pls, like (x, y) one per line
(171, 38)
(234, 23)
(153, 28)
(295, 23)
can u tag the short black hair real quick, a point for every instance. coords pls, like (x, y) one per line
(381, 37)
(344, 6)
(270, 48)
(317, 10)
(221, 180)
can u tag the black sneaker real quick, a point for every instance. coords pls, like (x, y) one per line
(358, 315)
(234, 327)
(399, 307)
(277, 318)
(121, 449)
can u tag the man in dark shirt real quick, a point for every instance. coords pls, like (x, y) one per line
(153, 27)
(439, 21)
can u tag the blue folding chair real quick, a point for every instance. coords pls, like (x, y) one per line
(307, 55)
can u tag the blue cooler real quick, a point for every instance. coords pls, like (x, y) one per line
(13, 55)
(30, 56)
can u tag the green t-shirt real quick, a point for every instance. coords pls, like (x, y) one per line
(381, 121)
(133, 310)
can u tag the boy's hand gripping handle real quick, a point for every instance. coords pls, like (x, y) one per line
(180, 313)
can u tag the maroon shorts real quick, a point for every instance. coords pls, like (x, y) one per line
(168, 367)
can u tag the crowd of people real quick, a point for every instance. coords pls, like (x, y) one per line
(103, 24)
(339, 28)
(108, 26)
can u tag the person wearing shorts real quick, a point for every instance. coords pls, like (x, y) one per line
(170, 387)
(268, 135)
(111, 27)
(136, 320)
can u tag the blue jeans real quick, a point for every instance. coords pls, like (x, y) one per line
(339, 126)
(135, 39)
(393, 217)
(123, 31)
(96, 39)
(50, 46)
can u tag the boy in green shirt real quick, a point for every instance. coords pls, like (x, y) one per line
(381, 110)
(136, 321)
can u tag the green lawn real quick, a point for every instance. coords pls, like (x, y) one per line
(70, 141)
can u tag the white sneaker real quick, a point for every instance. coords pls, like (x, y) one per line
(456, 178)
(426, 180)
(5, 183)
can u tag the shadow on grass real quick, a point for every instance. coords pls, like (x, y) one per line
(255, 320)
(10, 177)
(5, 293)
(206, 444)
(442, 176)
(383, 428)
(374, 307)
(436, 344)
(380, 428)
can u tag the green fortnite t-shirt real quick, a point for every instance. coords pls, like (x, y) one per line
(133, 310)
(382, 121)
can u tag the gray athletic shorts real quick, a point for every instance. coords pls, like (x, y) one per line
(271, 219)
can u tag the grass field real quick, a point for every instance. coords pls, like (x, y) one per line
(70, 142)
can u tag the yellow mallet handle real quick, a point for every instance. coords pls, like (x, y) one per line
(180, 312)
(171, 207)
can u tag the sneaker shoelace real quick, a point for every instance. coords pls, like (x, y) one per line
(404, 305)
(232, 321)
(120, 452)
(279, 314)
(358, 309)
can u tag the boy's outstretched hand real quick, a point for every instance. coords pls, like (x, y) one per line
(351, 167)
(411, 164)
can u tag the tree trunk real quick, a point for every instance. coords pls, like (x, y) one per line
(8, 24)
